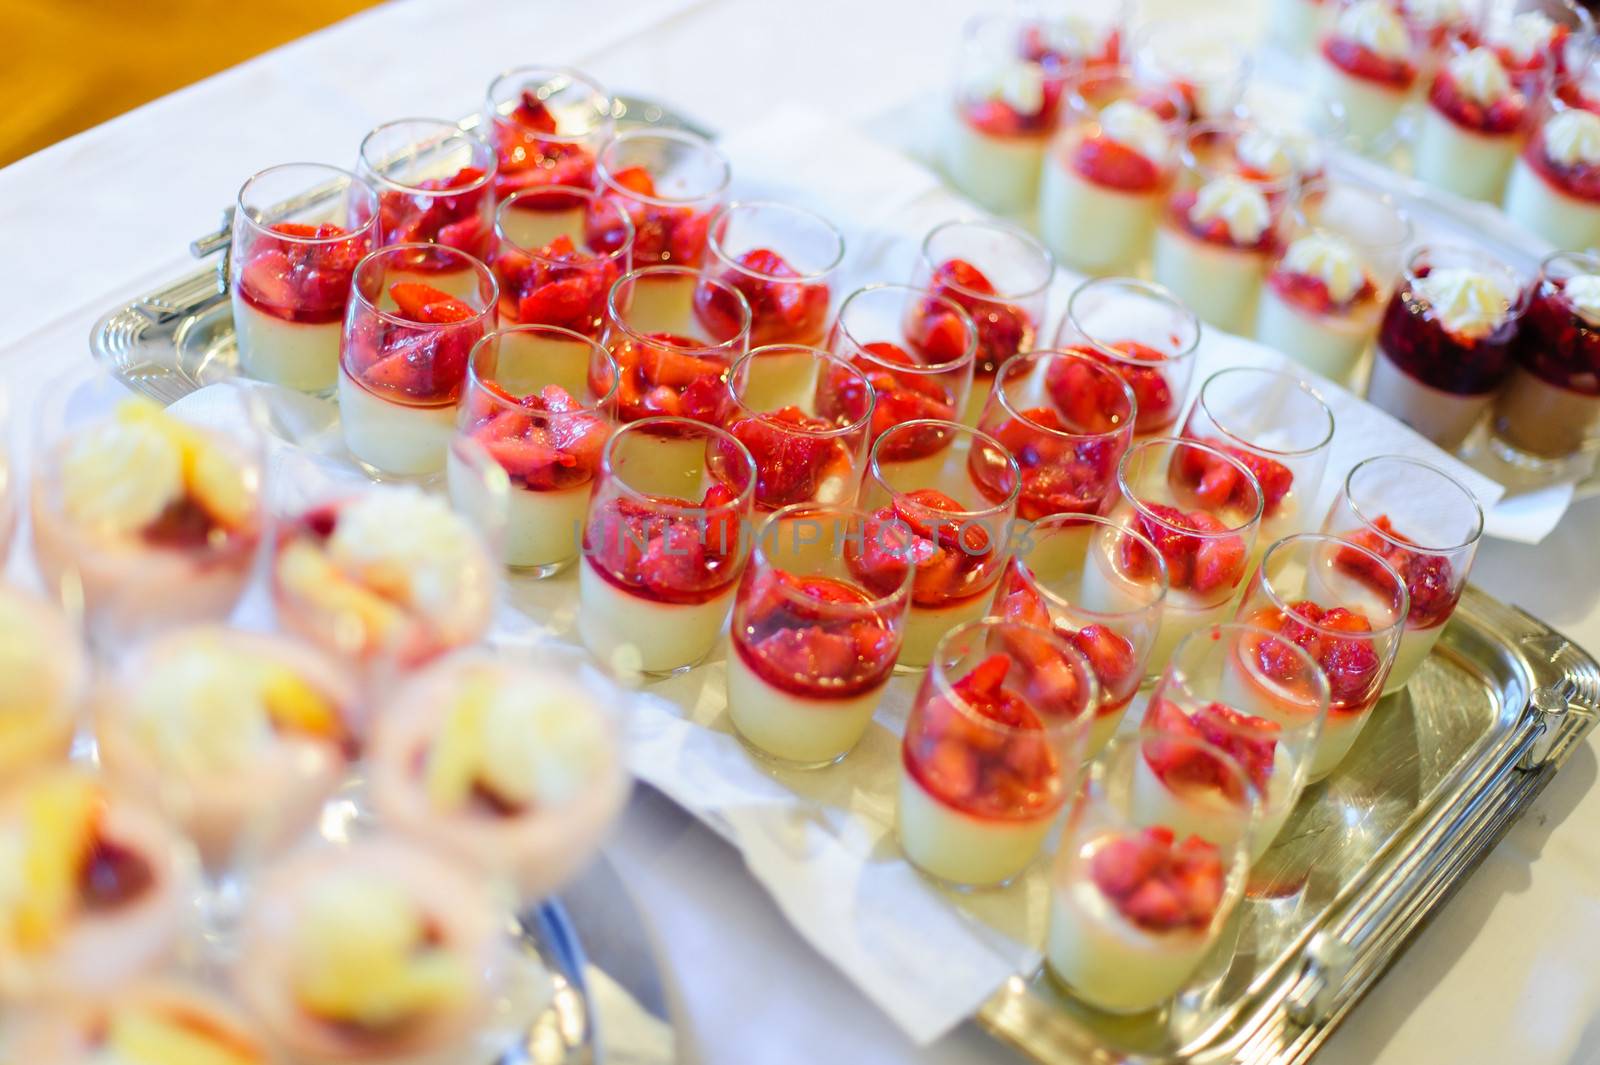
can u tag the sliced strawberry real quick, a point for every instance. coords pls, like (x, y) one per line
(1218, 563)
(427, 305)
(635, 179)
(1111, 163)
(1110, 654)
(532, 113)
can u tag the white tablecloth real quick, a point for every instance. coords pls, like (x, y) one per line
(1506, 973)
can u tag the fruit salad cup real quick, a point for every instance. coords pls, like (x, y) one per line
(1550, 408)
(1368, 65)
(1208, 64)
(546, 125)
(1426, 525)
(1109, 170)
(917, 351)
(665, 545)
(1444, 346)
(290, 271)
(1344, 606)
(1067, 419)
(47, 677)
(1168, 497)
(783, 260)
(1136, 904)
(1001, 277)
(1554, 189)
(435, 186)
(1143, 332)
(548, 272)
(814, 645)
(403, 360)
(1278, 427)
(804, 414)
(1043, 588)
(540, 401)
(1473, 124)
(955, 519)
(1326, 290)
(992, 750)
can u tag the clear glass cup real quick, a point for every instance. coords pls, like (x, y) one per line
(1549, 409)
(1076, 34)
(813, 645)
(992, 750)
(665, 544)
(1549, 194)
(435, 186)
(403, 360)
(1541, 39)
(1135, 903)
(1143, 332)
(47, 678)
(1297, 131)
(917, 351)
(1067, 419)
(1206, 539)
(546, 125)
(777, 396)
(669, 182)
(1371, 87)
(1276, 425)
(1345, 606)
(1042, 587)
(1475, 117)
(1426, 525)
(955, 513)
(673, 360)
(548, 272)
(290, 268)
(1342, 251)
(541, 401)
(1207, 62)
(783, 259)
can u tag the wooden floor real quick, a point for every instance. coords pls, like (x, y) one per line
(72, 64)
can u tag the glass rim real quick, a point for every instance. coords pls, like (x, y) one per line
(1011, 232)
(1175, 442)
(1587, 262)
(711, 433)
(875, 469)
(616, 317)
(719, 219)
(1060, 523)
(820, 355)
(1325, 184)
(1283, 606)
(1126, 428)
(1232, 128)
(452, 131)
(588, 195)
(1052, 725)
(1176, 674)
(970, 355)
(576, 76)
(679, 136)
(1300, 384)
(1483, 261)
(354, 180)
(1432, 470)
(472, 263)
(851, 512)
(1145, 290)
(482, 345)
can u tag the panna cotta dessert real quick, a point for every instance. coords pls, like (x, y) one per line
(515, 769)
(1554, 191)
(1540, 40)
(1368, 66)
(1550, 407)
(546, 124)
(435, 185)
(1085, 34)
(992, 751)
(154, 521)
(153, 1022)
(1206, 63)
(782, 260)
(1297, 25)
(669, 182)
(98, 889)
(1444, 346)
(402, 369)
(377, 950)
(550, 274)
(47, 676)
(1470, 131)
(291, 272)
(389, 575)
(242, 735)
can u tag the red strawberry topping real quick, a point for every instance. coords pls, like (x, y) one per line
(661, 233)
(1060, 475)
(1160, 885)
(900, 398)
(1113, 164)
(781, 312)
(1003, 328)
(667, 374)
(420, 366)
(1351, 662)
(1251, 742)
(1311, 293)
(1362, 62)
(1504, 116)
(548, 444)
(1201, 563)
(1152, 390)
(423, 217)
(794, 463)
(556, 285)
(302, 282)
(807, 635)
(951, 555)
(1430, 578)
(664, 555)
(529, 157)
(1217, 483)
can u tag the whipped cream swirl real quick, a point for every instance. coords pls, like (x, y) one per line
(1525, 36)
(1374, 26)
(1467, 302)
(1238, 203)
(1583, 292)
(1572, 138)
(1329, 259)
(1480, 77)
(1136, 127)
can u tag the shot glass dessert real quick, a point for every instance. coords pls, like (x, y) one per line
(1205, 537)
(1143, 332)
(1550, 408)
(546, 125)
(1108, 172)
(291, 269)
(1471, 129)
(1207, 63)
(665, 544)
(783, 260)
(1326, 291)
(1067, 35)
(1426, 525)
(814, 644)
(1438, 25)
(403, 359)
(547, 271)
(514, 768)
(540, 400)
(1537, 40)
(954, 518)
(1042, 588)
(992, 751)
(1067, 451)
(159, 1020)
(1554, 190)
(805, 416)
(1344, 606)
(1444, 346)
(1368, 65)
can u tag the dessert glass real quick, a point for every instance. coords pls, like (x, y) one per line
(1207, 63)
(1550, 408)
(669, 182)
(1426, 526)
(403, 359)
(992, 750)
(665, 544)
(290, 270)
(1471, 128)
(783, 259)
(47, 676)
(1344, 606)
(1143, 332)
(955, 515)
(1136, 904)
(159, 1018)
(1067, 418)
(1538, 40)
(548, 272)
(1042, 588)
(1554, 190)
(1068, 34)
(814, 646)
(540, 401)
(546, 125)
(1368, 64)
(1444, 346)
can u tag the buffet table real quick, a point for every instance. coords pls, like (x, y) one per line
(1505, 973)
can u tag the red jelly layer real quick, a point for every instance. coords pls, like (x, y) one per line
(997, 118)
(794, 462)
(300, 282)
(1361, 62)
(898, 398)
(406, 362)
(458, 220)
(1502, 117)
(1203, 564)
(1556, 343)
(545, 443)
(1581, 181)
(952, 556)
(662, 555)
(1159, 884)
(1059, 475)
(1414, 339)
(661, 233)
(1003, 328)
(1152, 391)
(813, 636)
(1430, 579)
(1350, 662)
(1110, 654)
(557, 285)
(781, 312)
